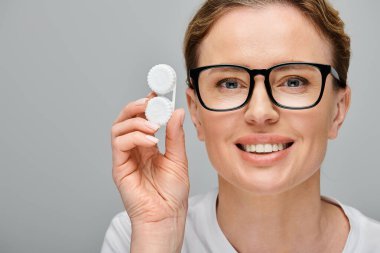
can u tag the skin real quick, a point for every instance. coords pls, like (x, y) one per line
(276, 207)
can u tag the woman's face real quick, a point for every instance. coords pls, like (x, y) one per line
(260, 38)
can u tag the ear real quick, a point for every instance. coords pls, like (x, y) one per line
(342, 104)
(193, 104)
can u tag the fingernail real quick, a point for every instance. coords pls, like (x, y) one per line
(152, 125)
(152, 139)
(141, 101)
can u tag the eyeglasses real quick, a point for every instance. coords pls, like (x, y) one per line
(295, 85)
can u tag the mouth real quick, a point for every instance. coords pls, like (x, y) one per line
(264, 148)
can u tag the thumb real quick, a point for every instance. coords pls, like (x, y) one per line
(175, 137)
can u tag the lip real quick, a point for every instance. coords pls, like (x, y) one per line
(263, 139)
(264, 159)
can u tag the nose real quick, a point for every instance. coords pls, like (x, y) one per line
(260, 109)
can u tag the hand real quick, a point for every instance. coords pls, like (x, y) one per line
(154, 187)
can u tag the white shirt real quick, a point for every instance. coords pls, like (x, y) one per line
(203, 234)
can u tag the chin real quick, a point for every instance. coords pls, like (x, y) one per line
(264, 187)
(263, 182)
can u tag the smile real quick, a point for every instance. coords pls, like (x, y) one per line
(264, 148)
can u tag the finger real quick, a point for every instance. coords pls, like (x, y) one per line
(134, 124)
(134, 108)
(123, 145)
(129, 141)
(126, 171)
(150, 96)
(175, 137)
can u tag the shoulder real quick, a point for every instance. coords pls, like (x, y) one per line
(118, 235)
(364, 235)
(202, 233)
(365, 231)
(121, 222)
(200, 200)
(201, 205)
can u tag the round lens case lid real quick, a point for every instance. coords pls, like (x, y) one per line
(159, 110)
(162, 79)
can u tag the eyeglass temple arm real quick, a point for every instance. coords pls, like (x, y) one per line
(335, 74)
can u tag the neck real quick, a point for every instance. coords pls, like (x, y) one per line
(284, 222)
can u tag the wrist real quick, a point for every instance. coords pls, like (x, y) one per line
(155, 237)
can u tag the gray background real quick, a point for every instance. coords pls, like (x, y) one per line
(66, 70)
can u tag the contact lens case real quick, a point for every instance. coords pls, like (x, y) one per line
(162, 79)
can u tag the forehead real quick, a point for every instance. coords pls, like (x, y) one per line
(262, 37)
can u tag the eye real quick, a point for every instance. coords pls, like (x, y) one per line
(230, 84)
(294, 83)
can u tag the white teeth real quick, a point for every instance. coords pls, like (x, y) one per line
(252, 148)
(259, 148)
(264, 148)
(268, 148)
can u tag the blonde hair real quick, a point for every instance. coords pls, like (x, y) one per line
(325, 18)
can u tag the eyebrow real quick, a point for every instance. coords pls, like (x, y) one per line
(228, 69)
(292, 66)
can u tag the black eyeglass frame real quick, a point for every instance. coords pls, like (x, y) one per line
(323, 68)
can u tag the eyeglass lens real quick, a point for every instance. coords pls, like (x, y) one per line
(294, 85)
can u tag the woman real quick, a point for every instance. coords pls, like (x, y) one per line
(267, 90)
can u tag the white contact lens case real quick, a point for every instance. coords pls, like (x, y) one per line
(162, 79)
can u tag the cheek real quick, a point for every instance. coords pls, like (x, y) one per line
(219, 131)
(314, 124)
(311, 128)
(218, 126)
